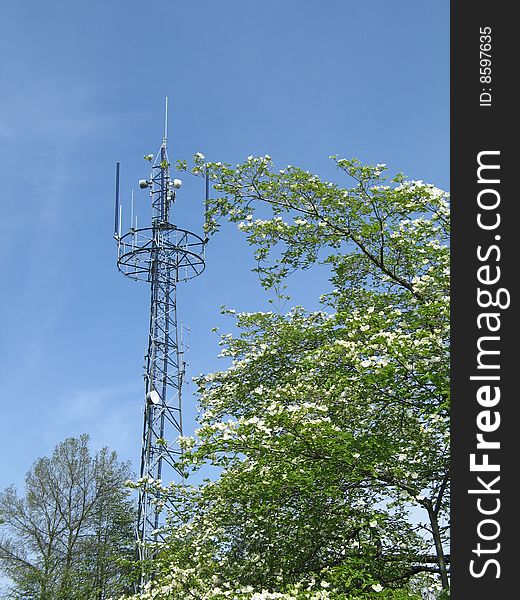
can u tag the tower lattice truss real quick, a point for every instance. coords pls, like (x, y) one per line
(163, 255)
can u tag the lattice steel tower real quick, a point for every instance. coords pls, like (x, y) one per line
(161, 254)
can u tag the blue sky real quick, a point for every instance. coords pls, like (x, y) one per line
(83, 85)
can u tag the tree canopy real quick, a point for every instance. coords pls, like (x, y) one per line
(329, 429)
(64, 539)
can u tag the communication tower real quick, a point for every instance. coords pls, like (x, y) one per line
(161, 254)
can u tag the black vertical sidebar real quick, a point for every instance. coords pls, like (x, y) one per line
(485, 242)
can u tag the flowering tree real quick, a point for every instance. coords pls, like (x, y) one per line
(329, 429)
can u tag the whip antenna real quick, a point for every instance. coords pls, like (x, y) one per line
(116, 216)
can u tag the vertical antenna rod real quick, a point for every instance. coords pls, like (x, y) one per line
(206, 207)
(116, 216)
(165, 136)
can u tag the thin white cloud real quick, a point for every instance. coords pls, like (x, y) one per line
(111, 415)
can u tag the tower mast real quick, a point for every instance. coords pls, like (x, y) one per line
(163, 255)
